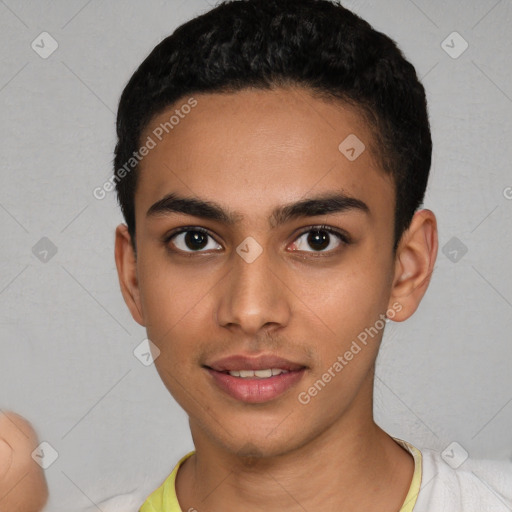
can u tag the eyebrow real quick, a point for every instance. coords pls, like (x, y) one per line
(323, 204)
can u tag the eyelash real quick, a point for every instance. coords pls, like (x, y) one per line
(342, 236)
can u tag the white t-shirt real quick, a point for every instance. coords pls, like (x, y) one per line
(473, 486)
(441, 483)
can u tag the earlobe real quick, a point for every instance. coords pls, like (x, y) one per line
(127, 272)
(414, 263)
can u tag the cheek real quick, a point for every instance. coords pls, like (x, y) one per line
(168, 291)
(342, 301)
(344, 331)
(342, 320)
(177, 310)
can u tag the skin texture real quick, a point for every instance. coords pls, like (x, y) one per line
(23, 485)
(252, 151)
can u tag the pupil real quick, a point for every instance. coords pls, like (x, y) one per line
(318, 239)
(195, 239)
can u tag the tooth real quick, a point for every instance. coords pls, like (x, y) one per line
(263, 373)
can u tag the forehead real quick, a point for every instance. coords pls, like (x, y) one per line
(254, 149)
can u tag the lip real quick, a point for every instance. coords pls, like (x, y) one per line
(256, 390)
(261, 362)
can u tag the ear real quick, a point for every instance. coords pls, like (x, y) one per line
(414, 264)
(127, 272)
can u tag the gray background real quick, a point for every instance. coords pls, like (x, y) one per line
(67, 340)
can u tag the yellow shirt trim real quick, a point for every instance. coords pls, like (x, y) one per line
(164, 499)
(414, 489)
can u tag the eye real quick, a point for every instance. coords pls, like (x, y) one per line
(191, 239)
(320, 238)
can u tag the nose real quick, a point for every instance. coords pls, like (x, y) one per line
(254, 296)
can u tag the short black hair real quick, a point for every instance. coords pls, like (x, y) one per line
(264, 44)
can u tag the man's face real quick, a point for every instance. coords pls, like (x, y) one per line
(290, 291)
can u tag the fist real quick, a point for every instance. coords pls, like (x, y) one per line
(23, 485)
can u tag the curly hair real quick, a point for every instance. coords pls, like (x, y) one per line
(315, 44)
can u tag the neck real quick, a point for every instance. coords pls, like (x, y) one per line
(351, 465)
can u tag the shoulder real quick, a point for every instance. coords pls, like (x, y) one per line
(473, 485)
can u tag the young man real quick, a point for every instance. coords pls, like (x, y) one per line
(272, 157)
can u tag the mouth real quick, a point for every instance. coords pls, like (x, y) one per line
(251, 374)
(255, 386)
(244, 363)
